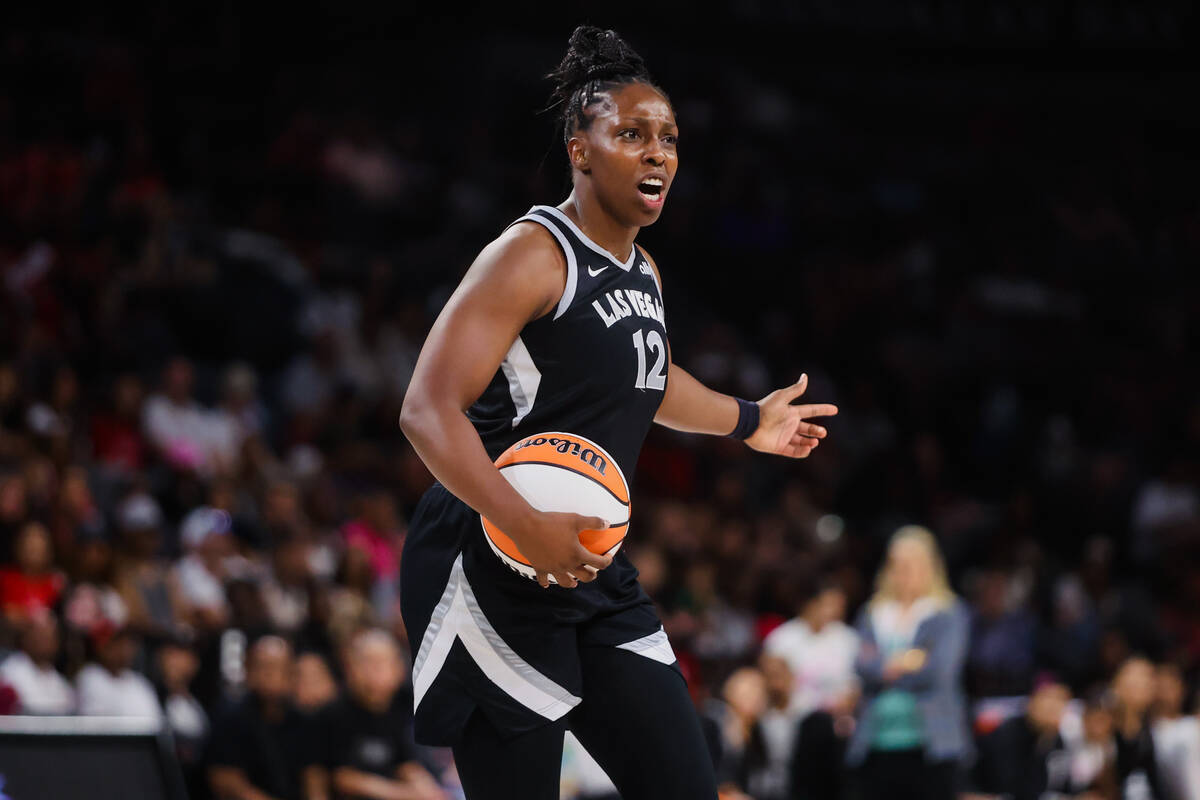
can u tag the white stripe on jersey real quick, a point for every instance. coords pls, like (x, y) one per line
(655, 647)
(459, 616)
(572, 267)
(524, 378)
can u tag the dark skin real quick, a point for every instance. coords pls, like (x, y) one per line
(519, 277)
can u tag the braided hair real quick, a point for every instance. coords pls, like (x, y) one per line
(596, 60)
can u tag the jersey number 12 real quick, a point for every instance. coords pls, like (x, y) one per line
(656, 378)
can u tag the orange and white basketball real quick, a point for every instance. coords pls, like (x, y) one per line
(567, 473)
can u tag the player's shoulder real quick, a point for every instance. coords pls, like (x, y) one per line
(523, 267)
(524, 251)
(526, 239)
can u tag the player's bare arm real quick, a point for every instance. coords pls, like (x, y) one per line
(514, 280)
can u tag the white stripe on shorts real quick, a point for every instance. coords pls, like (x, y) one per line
(655, 647)
(458, 615)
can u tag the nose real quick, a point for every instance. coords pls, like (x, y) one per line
(654, 153)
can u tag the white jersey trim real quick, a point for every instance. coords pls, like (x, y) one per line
(572, 267)
(459, 616)
(524, 378)
(588, 243)
(656, 647)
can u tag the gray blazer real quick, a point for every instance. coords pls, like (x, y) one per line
(937, 685)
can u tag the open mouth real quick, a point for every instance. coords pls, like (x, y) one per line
(651, 189)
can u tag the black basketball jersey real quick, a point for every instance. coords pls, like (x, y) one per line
(596, 366)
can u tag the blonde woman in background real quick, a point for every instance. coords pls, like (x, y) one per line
(912, 732)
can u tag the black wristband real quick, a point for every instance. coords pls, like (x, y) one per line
(747, 422)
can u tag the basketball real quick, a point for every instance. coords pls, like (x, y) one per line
(567, 473)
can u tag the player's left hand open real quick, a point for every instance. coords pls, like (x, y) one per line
(782, 427)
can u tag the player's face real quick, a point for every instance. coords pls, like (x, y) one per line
(631, 154)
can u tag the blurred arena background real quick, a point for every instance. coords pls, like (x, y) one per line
(225, 229)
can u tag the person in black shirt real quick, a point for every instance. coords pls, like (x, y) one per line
(1025, 757)
(258, 749)
(368, 745)
(1137, 765)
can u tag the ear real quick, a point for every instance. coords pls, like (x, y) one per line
(577, 154)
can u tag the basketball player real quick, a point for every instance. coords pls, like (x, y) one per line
(559, 326)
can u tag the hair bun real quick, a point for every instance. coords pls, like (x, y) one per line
(594, 54)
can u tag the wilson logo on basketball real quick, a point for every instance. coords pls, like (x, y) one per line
(564, 446)
(557, 471)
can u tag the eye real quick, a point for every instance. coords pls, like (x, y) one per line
(671, 138)
(629, 134)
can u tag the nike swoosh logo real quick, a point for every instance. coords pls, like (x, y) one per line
(595, 272)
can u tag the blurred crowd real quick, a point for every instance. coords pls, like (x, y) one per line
(215, 276)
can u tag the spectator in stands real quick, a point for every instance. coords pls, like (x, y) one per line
(722, 630)
(179, 428)
(30, 671)
(117, 438)
(820, 650)
(32, 585)
(200, 574)
(283, 507)
(349, 599)
(143, 577)
(110, 686)
(1093, 750)
(1133, 690)
(177, 665)
(743, 700)
(315, 686)
(766, 765)
(912, 731)
(239, 416)
(1176, 736)
(248, 610)
(93, 599)
(312, 377)
(258, 748)
(1070, 642)
(286, 591)
(1000, 661)
(76, 514)
(367, 733)
(1026, 757)
(377, 531)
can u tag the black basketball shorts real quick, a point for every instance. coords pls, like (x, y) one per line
(485, 637)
